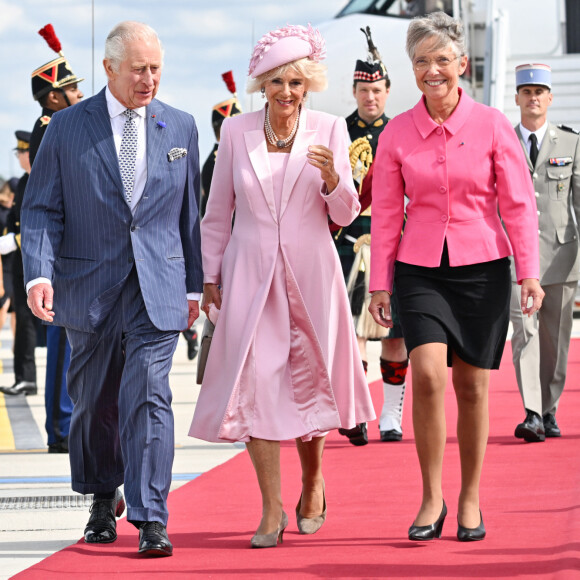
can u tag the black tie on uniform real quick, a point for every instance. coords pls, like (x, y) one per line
(533, 149)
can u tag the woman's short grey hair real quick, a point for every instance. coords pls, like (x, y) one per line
(439, 26)
(313, 72)
(124, 32)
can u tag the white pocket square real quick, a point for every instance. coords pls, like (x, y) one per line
(176, 153)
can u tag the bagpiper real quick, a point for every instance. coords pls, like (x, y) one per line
(371, 88)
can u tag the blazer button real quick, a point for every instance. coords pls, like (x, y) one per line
(444, 218)
(439, 131)
(131, 260)
(133, 228)
(442, 189)
(441, 158)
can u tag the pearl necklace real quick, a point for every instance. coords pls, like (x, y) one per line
(273, 138)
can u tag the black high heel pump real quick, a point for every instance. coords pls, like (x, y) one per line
(471, 534)
(424, 533)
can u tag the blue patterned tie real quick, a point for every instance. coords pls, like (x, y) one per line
(128, 153)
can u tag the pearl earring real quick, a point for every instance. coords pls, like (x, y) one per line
(263, 91)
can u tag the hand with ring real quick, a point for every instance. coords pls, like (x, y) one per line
(211, 295)
(322, 157)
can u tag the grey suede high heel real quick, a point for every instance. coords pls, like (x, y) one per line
(310, 525)
(271, 540)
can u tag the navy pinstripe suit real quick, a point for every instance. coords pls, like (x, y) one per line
(120, 281)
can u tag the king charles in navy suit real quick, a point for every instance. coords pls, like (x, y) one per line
(111, 250)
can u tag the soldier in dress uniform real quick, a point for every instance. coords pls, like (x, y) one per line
(224, 109)
(371, 87)
(540, 343)
(26, 323)
(7, 196)
(55, 87)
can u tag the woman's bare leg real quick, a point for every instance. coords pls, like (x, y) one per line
(471, 386)
(265, 457)
(429, 364)
(310, 453)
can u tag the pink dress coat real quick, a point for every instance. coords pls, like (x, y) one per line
(457, 177)
(283, 253)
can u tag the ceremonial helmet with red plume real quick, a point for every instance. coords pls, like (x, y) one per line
(228, 108)
(55, 74)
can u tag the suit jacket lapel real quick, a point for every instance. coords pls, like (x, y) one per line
(155, 135)
(525, 148)
(99, 129)
(550, 140)
(258, 153)
(298, 160)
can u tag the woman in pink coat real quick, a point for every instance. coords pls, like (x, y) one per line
(284, 362)
(459, 163)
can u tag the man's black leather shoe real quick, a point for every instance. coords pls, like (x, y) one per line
(153, 540)
(532, 429)
(391, 435)
(58, 447)
(357, 435)
(102, 525)
(550, 426)
(21, 388)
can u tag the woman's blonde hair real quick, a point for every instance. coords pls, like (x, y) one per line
(313, 72)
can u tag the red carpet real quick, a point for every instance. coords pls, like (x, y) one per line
(530, 504)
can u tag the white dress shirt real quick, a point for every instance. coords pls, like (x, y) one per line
(116, 111)
(540, 134)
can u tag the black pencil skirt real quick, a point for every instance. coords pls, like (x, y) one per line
(465, 307)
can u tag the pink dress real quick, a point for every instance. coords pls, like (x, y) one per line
(284, 361)
(273, 370)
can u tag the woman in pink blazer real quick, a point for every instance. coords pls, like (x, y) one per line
(284, 361)
(458, 163)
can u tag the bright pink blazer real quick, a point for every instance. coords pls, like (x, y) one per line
(457, 176)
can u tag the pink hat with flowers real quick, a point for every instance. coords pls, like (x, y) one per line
(285, 45)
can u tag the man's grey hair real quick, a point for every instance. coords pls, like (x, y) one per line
(124, 32)
(439, 26)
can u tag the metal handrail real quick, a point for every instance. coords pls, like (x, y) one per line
(496, 26)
